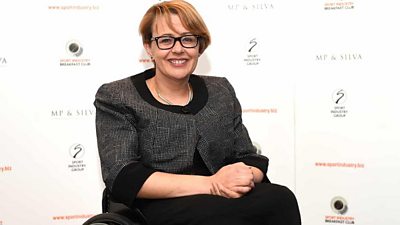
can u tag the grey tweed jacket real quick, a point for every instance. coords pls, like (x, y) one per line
(137, 135)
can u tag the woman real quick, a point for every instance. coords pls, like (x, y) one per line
(173, 144)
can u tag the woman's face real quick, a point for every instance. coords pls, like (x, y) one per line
(178, 62)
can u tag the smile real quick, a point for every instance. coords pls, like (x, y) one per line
(177, 61)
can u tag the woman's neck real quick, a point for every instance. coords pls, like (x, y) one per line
(170, 92)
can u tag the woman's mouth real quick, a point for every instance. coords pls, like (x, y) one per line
(177, 62)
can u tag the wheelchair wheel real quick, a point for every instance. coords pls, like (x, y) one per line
(110, 219)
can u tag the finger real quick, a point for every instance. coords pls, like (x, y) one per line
(242, 189)
(239, 164)
(252, 184)
(229, 193)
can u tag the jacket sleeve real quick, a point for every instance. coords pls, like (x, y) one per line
(117, 141)
(244, 150)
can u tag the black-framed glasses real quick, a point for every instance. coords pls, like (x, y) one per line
(168, 42)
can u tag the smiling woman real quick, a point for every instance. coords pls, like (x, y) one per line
(175, 52)
(188, 16)
(172, 144)
(161, 28)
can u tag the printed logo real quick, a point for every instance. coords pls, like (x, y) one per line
(246, 6)
(73, 7)
(253, 43)
(76, 152)
(349, 165)
(348, 57)
(3, 61)
(339, 97)
(71, 113)
(339, 5)
(75, 217)
(261, 110)
(4, 169)
(145, 61)
(74, 52)
(252, 58)
(340, 207)
(74, 48)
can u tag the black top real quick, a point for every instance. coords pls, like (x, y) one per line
(200, 94)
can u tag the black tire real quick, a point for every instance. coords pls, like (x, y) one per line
(110, 219)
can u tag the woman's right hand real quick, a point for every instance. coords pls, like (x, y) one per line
(232, 181)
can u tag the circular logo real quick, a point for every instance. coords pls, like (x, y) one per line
(339, 96)
(74, 48)
(76, 151)
(339, 205)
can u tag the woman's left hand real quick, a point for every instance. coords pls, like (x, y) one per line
(233, 181)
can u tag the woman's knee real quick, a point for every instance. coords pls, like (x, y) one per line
(277, 195)
(285, 193)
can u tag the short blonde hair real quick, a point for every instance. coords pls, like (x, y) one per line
(188, 15)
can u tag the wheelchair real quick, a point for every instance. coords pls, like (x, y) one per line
(114, 213)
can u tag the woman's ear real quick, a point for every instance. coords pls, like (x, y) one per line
(148, 49)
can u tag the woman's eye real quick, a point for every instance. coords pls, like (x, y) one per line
(165, 40)
(188, 39)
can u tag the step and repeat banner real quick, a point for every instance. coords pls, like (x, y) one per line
(316, 80)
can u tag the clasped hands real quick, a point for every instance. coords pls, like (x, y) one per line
(232, 181)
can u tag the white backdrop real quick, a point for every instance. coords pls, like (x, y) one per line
(316, 80)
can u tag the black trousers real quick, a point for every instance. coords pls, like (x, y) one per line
(266, 204)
